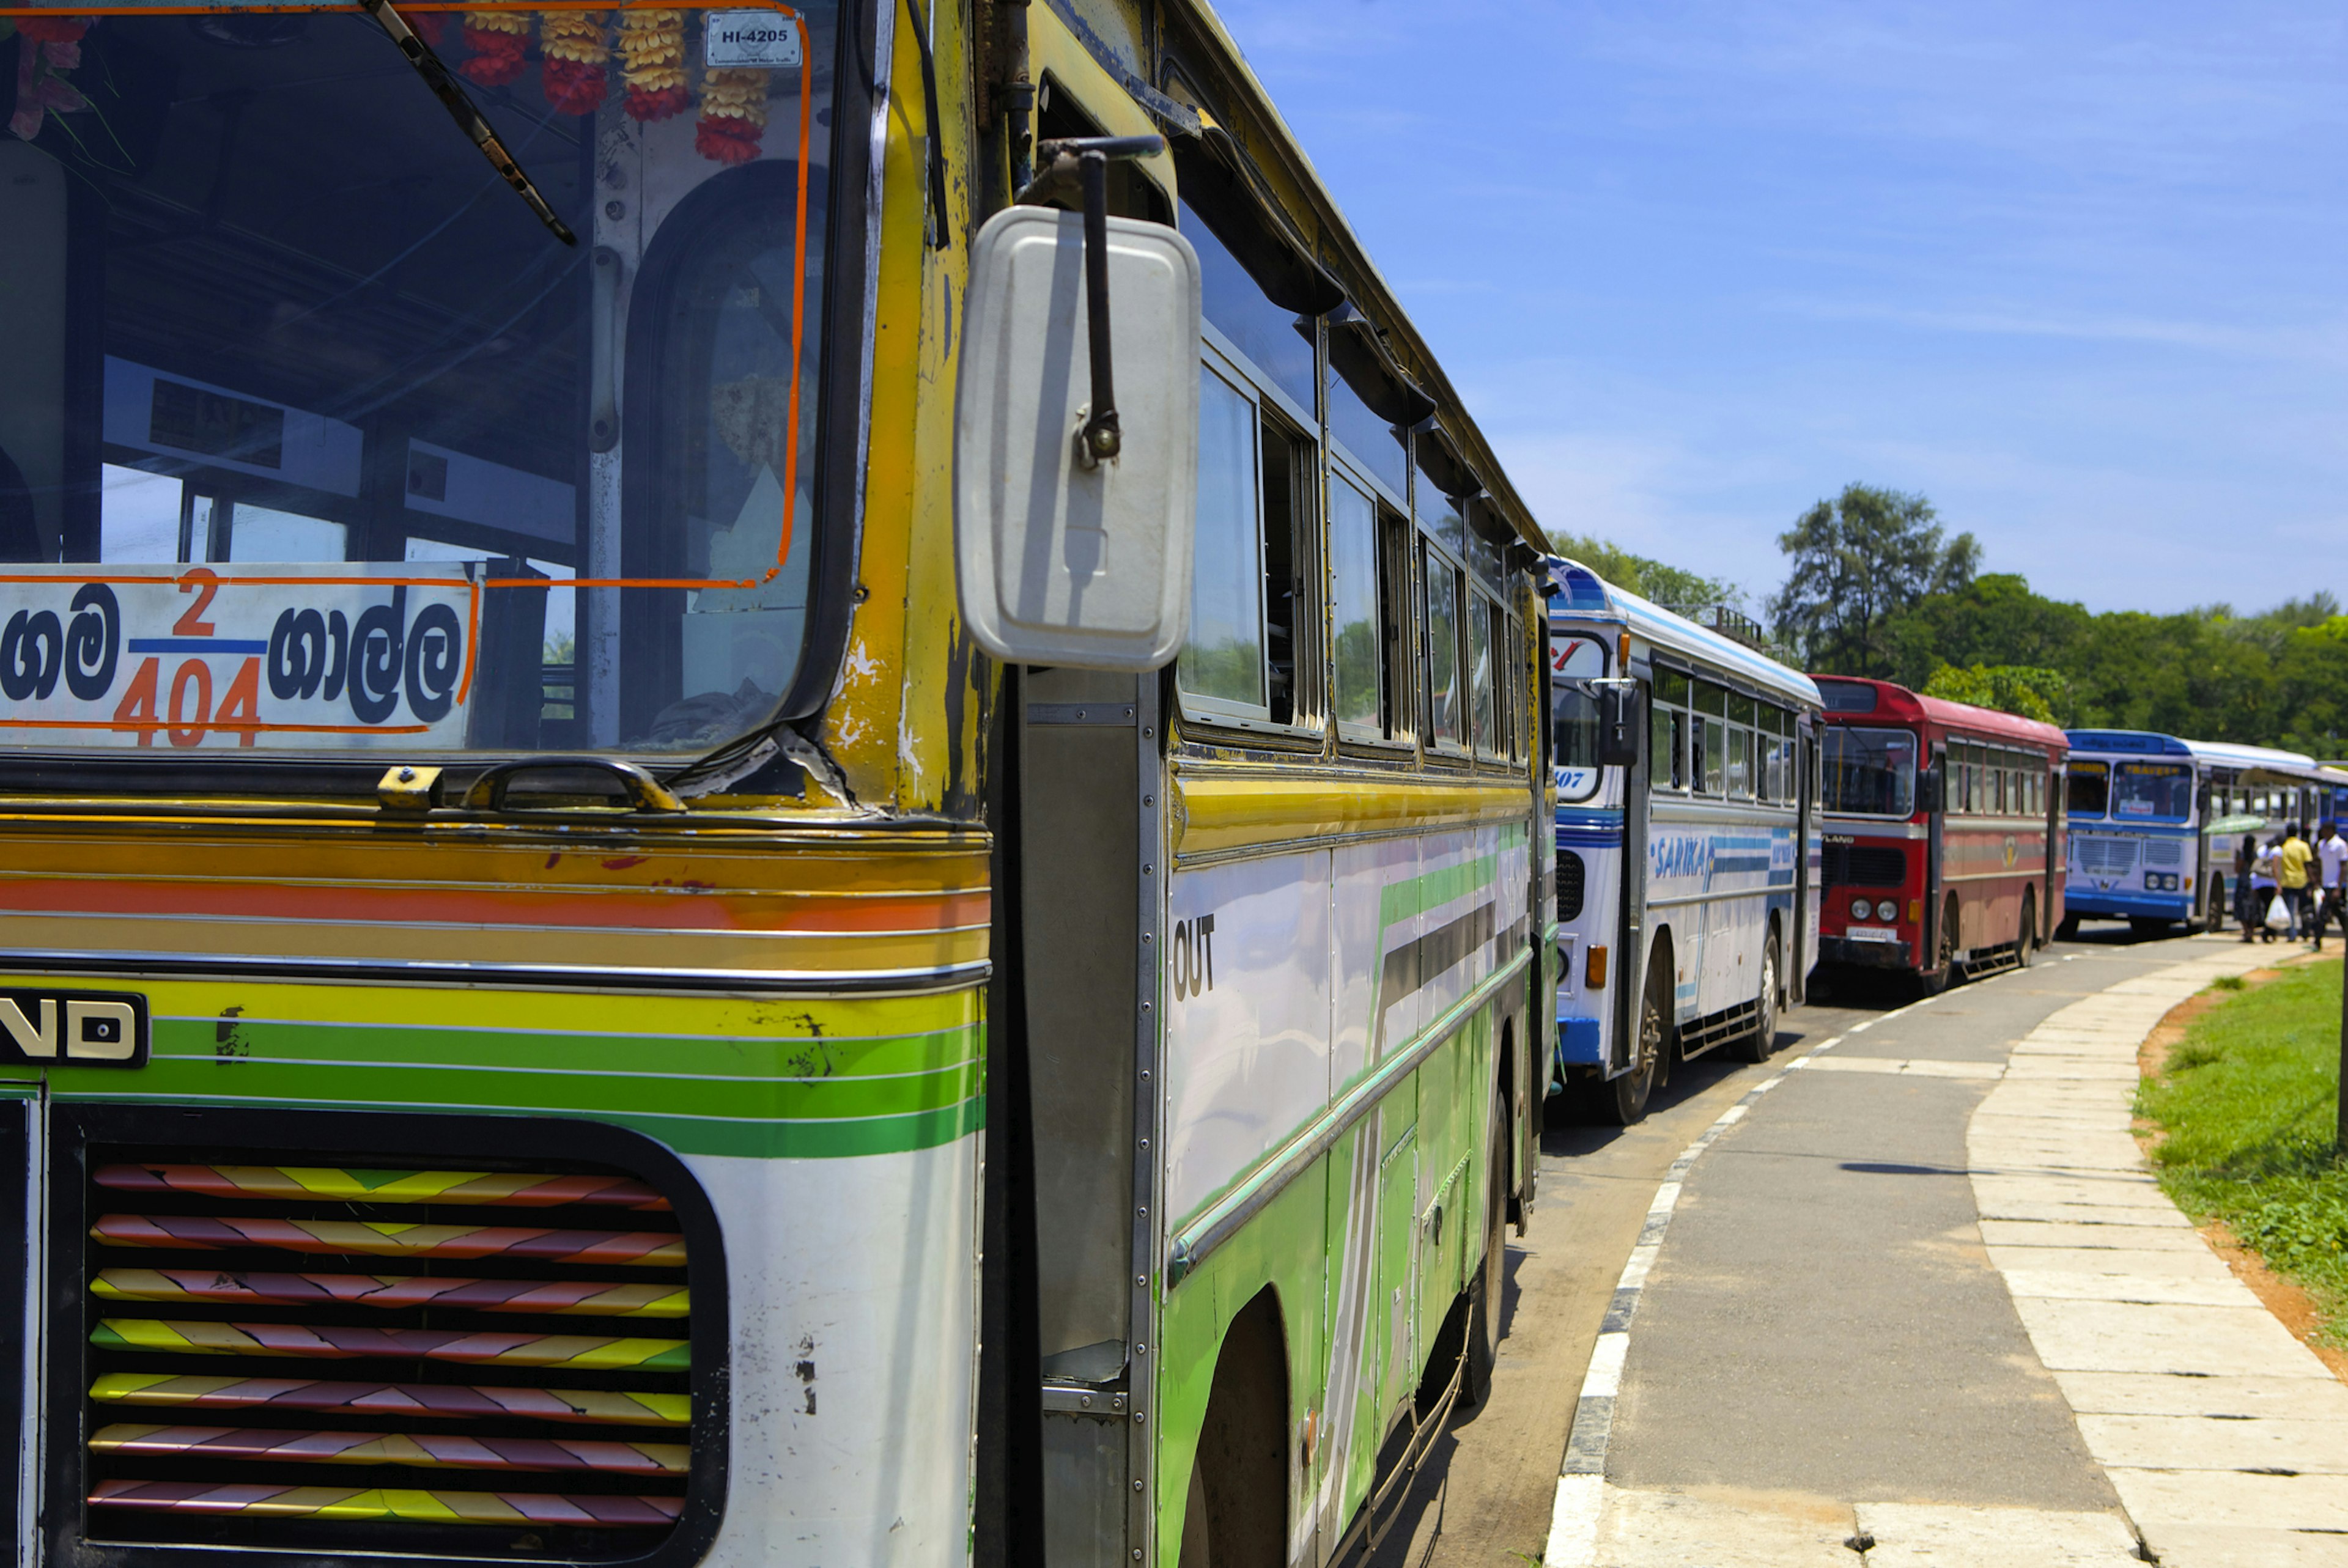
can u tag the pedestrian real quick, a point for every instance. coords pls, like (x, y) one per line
(2291, 863)
(2331, 852)
(2263, 885)
(2246, 901)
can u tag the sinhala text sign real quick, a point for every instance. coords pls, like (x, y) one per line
(347, 654)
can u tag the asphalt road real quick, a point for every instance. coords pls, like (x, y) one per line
(1822, 1323)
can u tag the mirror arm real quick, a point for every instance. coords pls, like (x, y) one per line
(1083, 161)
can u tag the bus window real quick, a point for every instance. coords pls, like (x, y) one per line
(1869, 773)
(1439, 629)
(1573, 713)
(1709, 768)
(1358, 701)
(2154, 792)
(2089, 789)
(1667, 746)
(1480, 675)
(1223, 660)
(1287, 467)
(1740, 748)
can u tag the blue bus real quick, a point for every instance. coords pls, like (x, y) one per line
(1687, 841)
(2155, 821)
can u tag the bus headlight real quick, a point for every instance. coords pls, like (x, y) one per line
(1886, 909)
(1858, 908)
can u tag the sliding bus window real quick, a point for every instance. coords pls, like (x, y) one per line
(1250, 608)
(1359, 575)
(1667, 731)
(1740, 748)
(1710, 734)
(1439, 646)
(1482, 678)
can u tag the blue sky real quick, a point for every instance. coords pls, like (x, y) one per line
(2075, 271)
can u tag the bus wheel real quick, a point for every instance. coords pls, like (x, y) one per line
(2025, 945)
(1621, 1101)
(1235, 1514)
(1484, 1291)
(1935, 980)
(1756, 1046)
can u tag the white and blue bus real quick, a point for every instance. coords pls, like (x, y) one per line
(2155, 821)
(1703, 754)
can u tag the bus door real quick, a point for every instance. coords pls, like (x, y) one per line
(1630, 976)
(1937, 817)
(2054, 880)
(1089, 918)
(1803, 921)
(2200, 913)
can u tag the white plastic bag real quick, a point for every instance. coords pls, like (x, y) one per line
(2279, 915)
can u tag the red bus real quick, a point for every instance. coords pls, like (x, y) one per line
(1943, 833)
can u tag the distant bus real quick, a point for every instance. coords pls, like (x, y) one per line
(1943, 831)
(2331, 785)
(2155, 821)
(1698, 939)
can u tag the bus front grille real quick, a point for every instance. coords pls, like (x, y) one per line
(2106, 856)
(1864, 865)
(1571, 876)
(316, 1353)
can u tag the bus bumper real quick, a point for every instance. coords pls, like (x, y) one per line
(1866, 954)
(2116, 903)
(1578, 1042)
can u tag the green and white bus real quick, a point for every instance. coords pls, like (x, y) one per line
(771, 792)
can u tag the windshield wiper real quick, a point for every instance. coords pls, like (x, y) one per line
(468, 118)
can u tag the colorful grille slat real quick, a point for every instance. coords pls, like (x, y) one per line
(361, 1505)
(203, 1234)
(433, 1449)
(330, 1185)
(598, 1407)
(582, 1352)
(265, 1430)
(584, 1298)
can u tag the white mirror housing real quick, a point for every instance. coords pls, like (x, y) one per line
(1062, 561)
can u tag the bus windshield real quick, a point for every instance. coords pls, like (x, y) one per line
(1869, 773)
(316, 438)
(2089, 791)
(2152, 792)
(1574, 714)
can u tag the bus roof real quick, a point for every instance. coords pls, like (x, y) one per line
(1576, 590)
(2225, 753)
(1898, 701)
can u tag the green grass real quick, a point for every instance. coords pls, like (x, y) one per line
(2248, 1101)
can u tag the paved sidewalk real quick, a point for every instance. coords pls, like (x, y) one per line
(1924, 1304)
(2226, 1438)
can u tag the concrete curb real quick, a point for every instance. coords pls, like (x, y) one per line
(2226, 1439)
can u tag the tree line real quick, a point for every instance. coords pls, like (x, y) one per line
(1876, 586)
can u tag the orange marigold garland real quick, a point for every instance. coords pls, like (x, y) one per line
(733, 116)
(652, 63)
(571, 43)
(498, 39)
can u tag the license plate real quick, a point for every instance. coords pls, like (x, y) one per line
(1872, 934)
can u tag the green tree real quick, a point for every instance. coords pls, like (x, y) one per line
(1994, 619)
(1857, 561)
(2034, 694)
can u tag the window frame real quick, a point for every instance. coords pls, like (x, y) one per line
(1308, 565)
(1397, 730)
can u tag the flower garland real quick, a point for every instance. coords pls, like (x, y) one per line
(733, 116)
(575, 51)
(652, 63)
(51, 47)
(498, 40)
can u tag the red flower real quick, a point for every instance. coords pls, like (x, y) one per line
(725, 138)
(497, 56)
(574, 86)
(665, 104)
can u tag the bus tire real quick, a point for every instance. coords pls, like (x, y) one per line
(1931, 982)
(1486, 1291)
(1756, 1046)
(1235, 1515)
(1622, 1101)
(2025, 945)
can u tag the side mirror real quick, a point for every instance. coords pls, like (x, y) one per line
(1928, 789)
(1618, 723)
(1072, 547)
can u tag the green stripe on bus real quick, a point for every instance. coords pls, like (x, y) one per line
(747, 1138)
(1401, 900)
